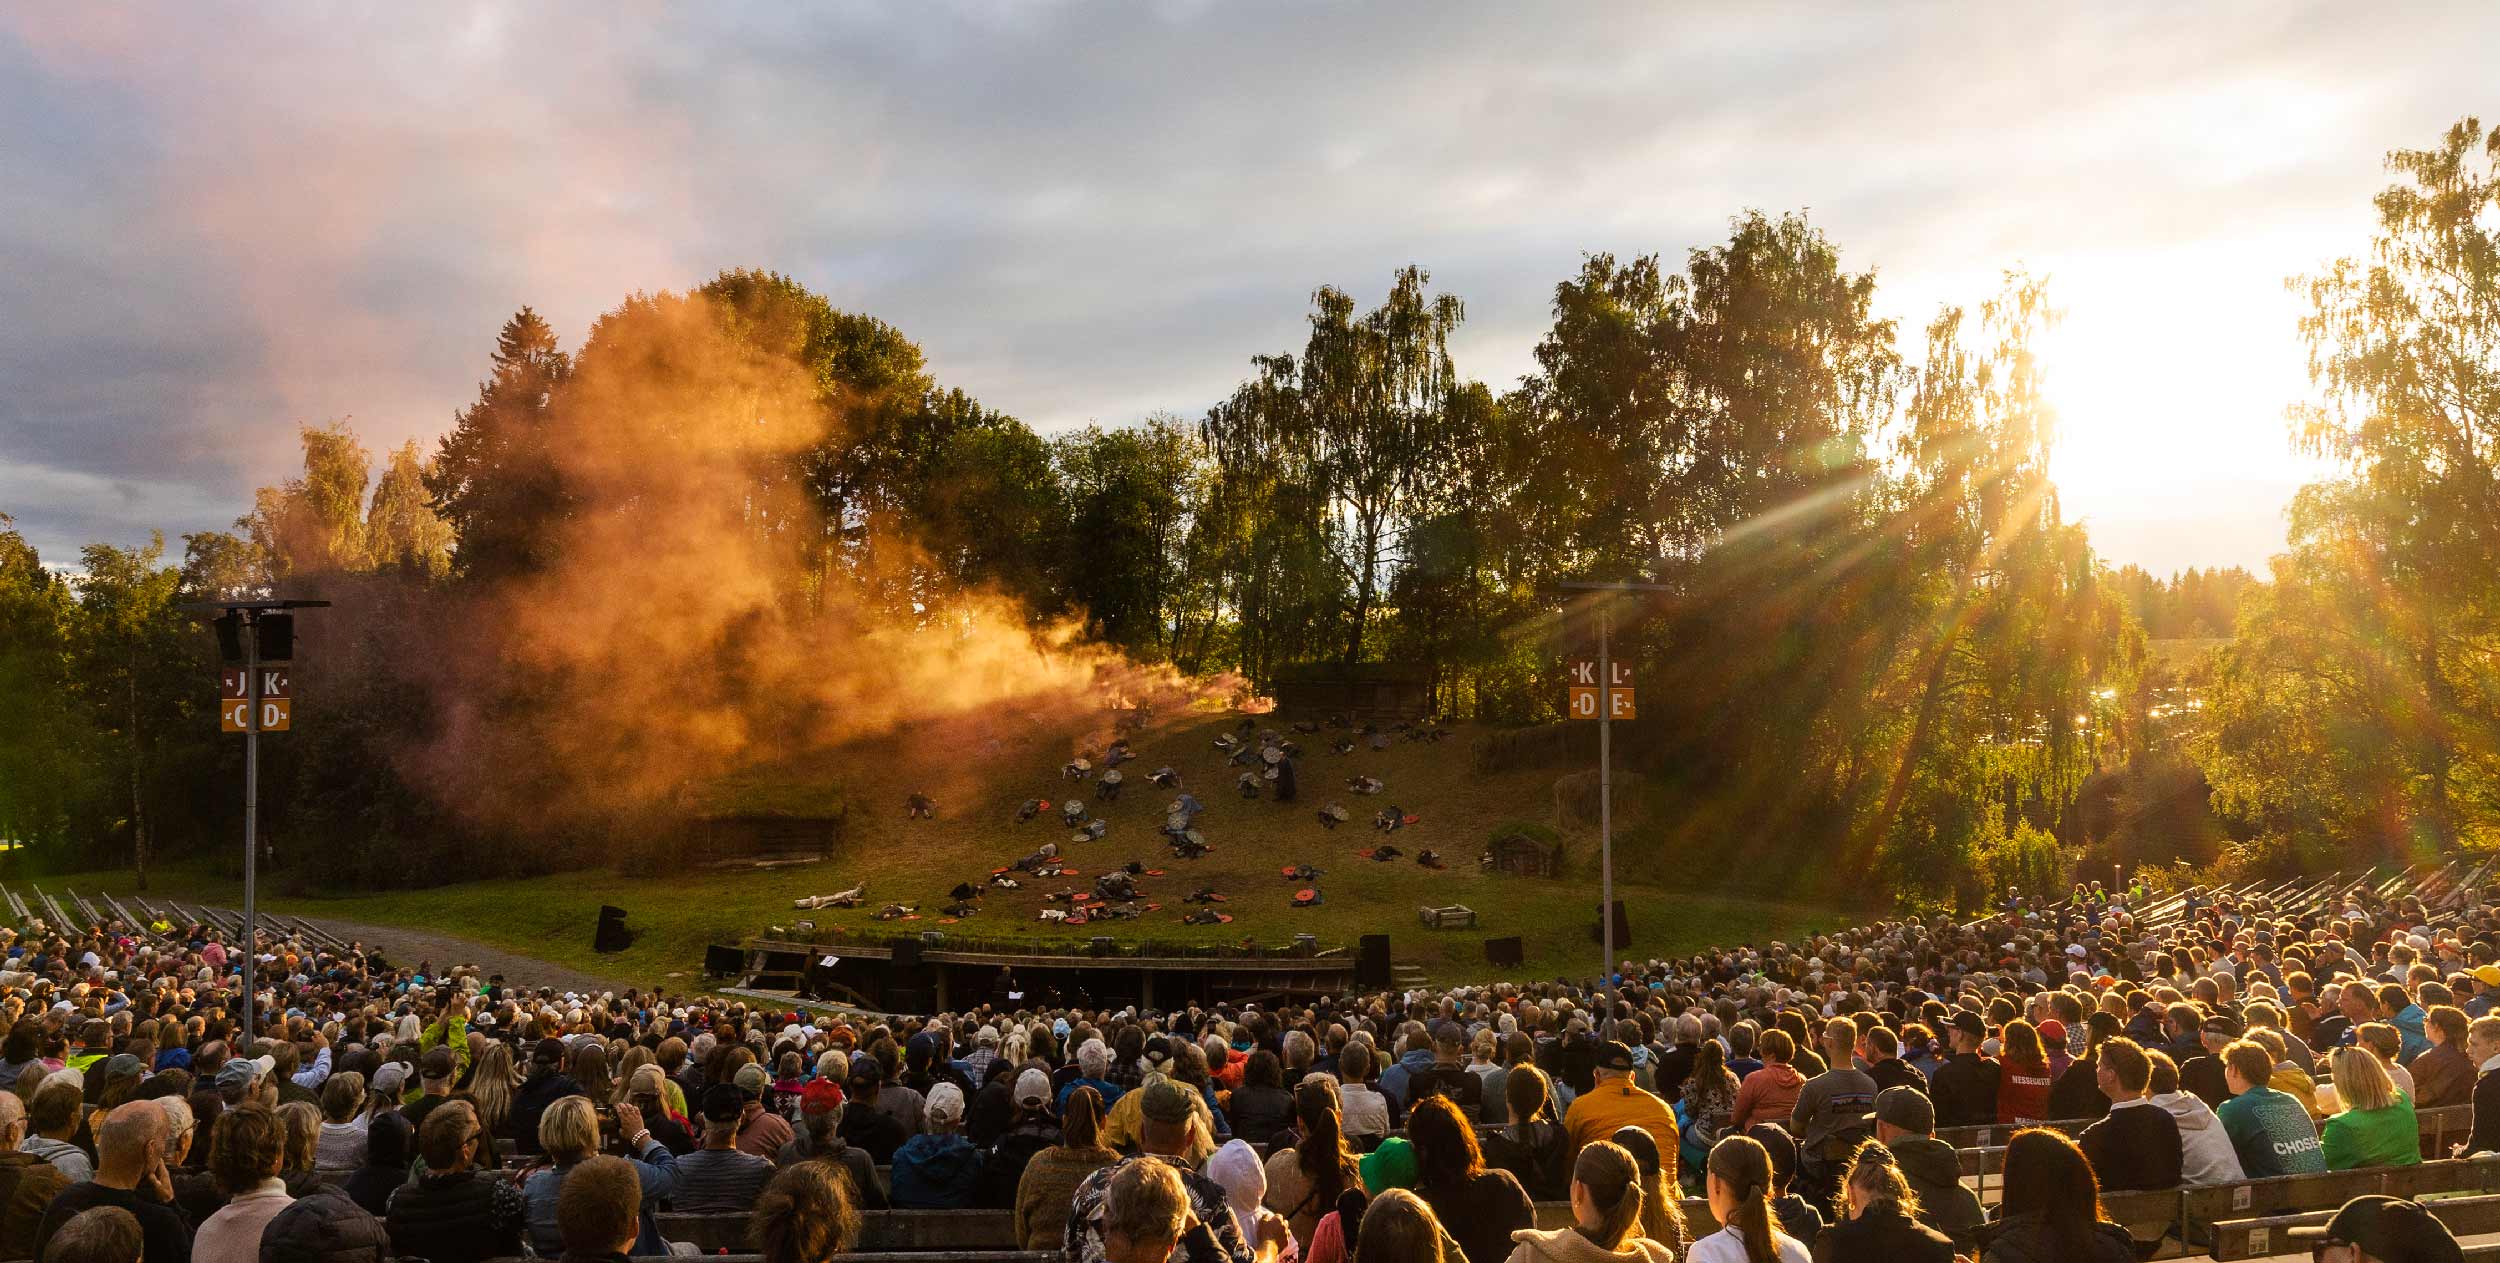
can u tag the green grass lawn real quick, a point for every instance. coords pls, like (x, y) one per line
(918, 861)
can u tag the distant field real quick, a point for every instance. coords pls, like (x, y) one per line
(918, 861)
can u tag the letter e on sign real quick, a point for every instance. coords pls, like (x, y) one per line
(1619, 704)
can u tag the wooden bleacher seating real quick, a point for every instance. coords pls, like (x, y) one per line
(881, 1231)
(2263, 1238)
(2222, 1218)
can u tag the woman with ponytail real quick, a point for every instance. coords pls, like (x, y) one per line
(1303, 1182)
(1606, 1203)
(1738, 1177)
(1662, 1210)
(1879, 1221)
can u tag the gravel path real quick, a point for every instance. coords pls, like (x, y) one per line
(408, 947)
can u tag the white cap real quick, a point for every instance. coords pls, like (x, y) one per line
(946, 1104)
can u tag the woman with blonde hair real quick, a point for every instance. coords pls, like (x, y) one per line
(302, 1120)
(1606, 1202)
(568, 1132)
(492, 1085)
(2375, 1126)
(633, 1058)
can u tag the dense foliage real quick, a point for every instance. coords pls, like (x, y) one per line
(1869, 631)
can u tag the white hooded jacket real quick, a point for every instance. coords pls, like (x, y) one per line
(2205, 1152)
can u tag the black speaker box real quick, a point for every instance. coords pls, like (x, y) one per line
(1505, 952)
(611, 936)
(1371, 961)
(907, 953)
(276, 633)
(1623, 930)
(720, 962)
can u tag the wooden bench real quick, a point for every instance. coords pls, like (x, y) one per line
(2263, 1238)
(2148, 1214)
(1994, 1135)
(921, 1232)
(2206, 1213)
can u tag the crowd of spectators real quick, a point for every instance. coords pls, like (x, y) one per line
(1797, 1088)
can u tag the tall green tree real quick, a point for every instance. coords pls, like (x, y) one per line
(402, 530)
(315, 524)
(2378, 653)
(44, 735)
(144, 675)
(493, 480)
(1132, 495)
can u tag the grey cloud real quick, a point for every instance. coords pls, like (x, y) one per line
(225, 221)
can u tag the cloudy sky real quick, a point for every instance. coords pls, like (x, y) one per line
(219, 221)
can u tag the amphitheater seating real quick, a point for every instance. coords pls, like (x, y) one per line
(922, 1232)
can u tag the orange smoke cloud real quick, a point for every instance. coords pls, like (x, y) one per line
(697, 620)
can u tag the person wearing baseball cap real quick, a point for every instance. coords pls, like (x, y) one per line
(1616, 1102)
(821, 1111)
(547, 1083)
(1166, 1128)
(2374, 1228)
(1905, 1121)
(719, 1178)
(764, 1131)
(938, 1169)
(1965, 1085)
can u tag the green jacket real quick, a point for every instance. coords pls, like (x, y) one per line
(2272, 1134)
(2389, 1137)
(443, 1030)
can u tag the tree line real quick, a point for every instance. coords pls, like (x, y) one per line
(1878, 642)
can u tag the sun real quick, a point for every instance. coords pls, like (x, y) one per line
(2170, 373)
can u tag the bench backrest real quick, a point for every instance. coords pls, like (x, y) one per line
(2262, 1238)
(880, 1230)
(2203, 1209)
(1991, 1135)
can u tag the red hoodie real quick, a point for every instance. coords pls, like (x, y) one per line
(2023, 1091)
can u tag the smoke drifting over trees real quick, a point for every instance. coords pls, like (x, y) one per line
(737, 527)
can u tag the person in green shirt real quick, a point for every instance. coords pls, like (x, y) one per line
(2269, 1130)
(449, 1029)
(2376, 1127)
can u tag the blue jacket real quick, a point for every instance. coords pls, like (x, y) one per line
(2409, 1029)
(658, 1169)
(1110, 1094)
(1393, 1079)
(933, 1172)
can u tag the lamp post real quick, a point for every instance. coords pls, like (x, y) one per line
(242, 627)
(1606, 765)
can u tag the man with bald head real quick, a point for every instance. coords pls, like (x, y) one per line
(130, 1173)
(27, 1183)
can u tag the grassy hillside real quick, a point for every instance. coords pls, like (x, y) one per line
(918, 861)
